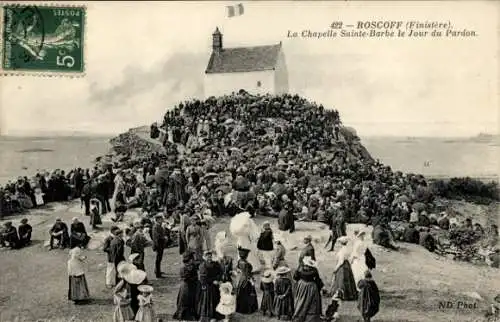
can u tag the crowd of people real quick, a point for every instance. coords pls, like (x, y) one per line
(277, 156)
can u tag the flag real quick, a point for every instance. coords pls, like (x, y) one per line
(236, 10)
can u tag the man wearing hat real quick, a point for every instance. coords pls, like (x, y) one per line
(110, 265)
(25, 231)
(86, 195)
(159, 236)
(59, 232)
(308, 250)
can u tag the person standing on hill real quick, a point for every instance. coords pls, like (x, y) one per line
(86, 195)
(159, 243)
(138, 243)
(110, 266)
(117, 251)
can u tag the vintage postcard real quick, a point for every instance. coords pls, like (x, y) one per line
(249, 161)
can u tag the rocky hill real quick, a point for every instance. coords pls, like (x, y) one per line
(267, 147)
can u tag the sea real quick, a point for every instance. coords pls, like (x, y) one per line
(432, 157)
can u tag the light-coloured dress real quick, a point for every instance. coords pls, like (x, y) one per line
(358, 261)
(227, 304)
(146, 312)
(38, 196)
(123, 312)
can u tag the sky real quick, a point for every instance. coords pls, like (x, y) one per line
(143, 58)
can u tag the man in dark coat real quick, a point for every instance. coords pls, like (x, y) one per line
(117, 251)
(110, 269)
(86, 195)
(138, 243)
(337, 229)
(24, 230)
(59, 232)
(286, 219)
(177, 185)
(159, 237)
(78, 235)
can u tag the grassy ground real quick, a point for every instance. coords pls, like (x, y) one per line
(413, 282)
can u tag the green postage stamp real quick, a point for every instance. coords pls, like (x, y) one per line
(43, 39)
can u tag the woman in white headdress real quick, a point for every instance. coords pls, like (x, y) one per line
(343, 279)
(358, 261)
(247, 233)
(78, 289)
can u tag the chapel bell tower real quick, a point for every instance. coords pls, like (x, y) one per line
(217, 41)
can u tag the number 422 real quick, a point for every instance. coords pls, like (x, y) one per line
(65, 60)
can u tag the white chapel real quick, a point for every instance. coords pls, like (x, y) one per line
(257, 70)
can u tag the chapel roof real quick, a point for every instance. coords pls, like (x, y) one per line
(243, 59)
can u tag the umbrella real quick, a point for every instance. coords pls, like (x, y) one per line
(240, 223)
(229, 121)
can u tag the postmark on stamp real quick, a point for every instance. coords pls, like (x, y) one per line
(43, 39)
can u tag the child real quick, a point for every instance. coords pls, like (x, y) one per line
(283, 301)
(123, 312)
(265, 246)
(39, 196)
(227, 304)
(332, 311)
(267, 287)
(146, 312)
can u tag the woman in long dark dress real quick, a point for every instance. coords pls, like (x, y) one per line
(246, 296)
(186, 299)
(369, 297)
(283, 299)
(210, 274)
(344, 278)
(267, 288)
(307, 292)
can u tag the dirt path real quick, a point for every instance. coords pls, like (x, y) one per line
(413, 282)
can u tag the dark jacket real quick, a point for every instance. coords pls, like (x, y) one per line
(265, 241)
(159, 236)
(116, 250)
